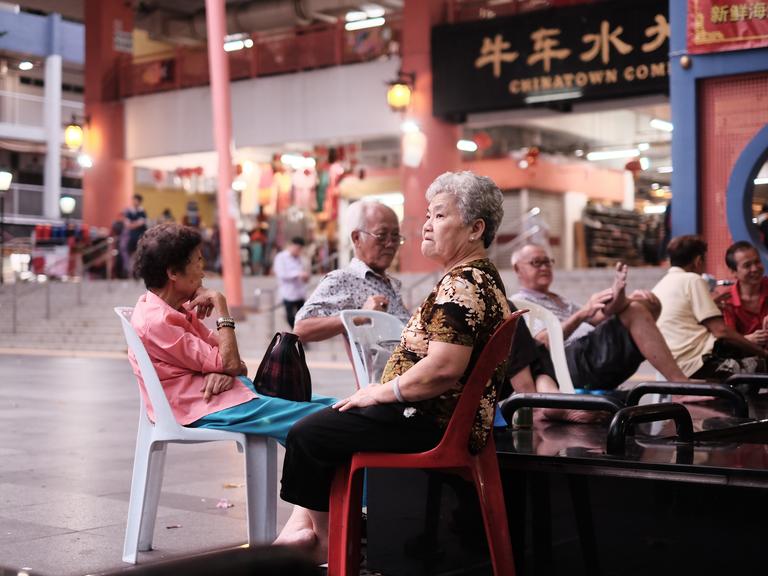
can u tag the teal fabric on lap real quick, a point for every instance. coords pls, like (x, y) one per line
(265, 415)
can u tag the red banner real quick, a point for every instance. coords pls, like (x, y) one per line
(722, 25)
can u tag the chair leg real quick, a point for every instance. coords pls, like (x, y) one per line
(344, 523)
(261, 489)
(144, 461)
(152, 495)
(489, 492)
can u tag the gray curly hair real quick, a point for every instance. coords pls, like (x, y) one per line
(476, 197)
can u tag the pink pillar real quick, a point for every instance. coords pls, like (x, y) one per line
(216, 19)
(108, 185)
(441, 154)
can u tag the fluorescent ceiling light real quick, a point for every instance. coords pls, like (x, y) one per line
(362, 24)
(355, 16)
(645, 163)
(643, 146)
(234, 46)
(664, 169)
(373, 10)
(233, 42)
(655, 208)
(466, 145)
(662, 125)
(760, 181)
(553, 97)
(613, 154)
(26, 65)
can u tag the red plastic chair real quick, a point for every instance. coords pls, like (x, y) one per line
(450, 455)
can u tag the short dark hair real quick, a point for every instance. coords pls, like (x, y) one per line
(730, 254)
(298, 240)
(138, 197)
(683, 250)
(163, 247)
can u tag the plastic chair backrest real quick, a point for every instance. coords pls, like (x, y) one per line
(365, 341)
(162, 410)
(556, 342)
(494, 353)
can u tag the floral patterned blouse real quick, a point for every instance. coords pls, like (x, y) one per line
(465, 308)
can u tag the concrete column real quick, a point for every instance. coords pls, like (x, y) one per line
(441, 154)
(53, 132)
(231, 268)
(108, 185)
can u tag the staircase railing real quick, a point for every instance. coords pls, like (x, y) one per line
(80, 269)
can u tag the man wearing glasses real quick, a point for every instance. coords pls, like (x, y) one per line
(364, 283)
(607, 338)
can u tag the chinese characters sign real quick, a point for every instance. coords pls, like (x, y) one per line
(586, 52)
(718, 25)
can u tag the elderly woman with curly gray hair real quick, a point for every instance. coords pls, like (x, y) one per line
(423, 380)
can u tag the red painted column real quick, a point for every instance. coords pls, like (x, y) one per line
(216, 23)
(441, 154)
(108, 185)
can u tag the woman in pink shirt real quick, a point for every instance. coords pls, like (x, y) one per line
(200, 370)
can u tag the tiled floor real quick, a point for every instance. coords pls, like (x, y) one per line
(67, 435)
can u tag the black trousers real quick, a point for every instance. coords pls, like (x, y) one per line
(291, 308)
(319, 443)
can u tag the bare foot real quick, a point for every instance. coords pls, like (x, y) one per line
(301, 538)
(619, 301)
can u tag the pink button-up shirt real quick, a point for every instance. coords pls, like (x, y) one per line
(183, 350)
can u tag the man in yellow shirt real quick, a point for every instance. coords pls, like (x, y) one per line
(692, 324)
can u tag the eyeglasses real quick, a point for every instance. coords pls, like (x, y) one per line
(542, 263)
(382, 237)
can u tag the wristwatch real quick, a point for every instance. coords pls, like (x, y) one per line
(225, 322)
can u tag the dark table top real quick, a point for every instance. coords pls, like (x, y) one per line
(726, 450)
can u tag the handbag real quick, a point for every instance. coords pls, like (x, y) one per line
(283, 371)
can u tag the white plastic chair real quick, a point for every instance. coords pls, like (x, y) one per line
(149, 460)
(370, 343)
(540, 315)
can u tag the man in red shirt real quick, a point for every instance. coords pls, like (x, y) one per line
(745, 305)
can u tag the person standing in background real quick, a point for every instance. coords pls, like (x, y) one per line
(135, 219)
(291, 278)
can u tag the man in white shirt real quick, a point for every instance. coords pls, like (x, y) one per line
(364, 283)
(292, 278)
(692, 324)
(606, 339)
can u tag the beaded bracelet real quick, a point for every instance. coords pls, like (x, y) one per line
(225, 322)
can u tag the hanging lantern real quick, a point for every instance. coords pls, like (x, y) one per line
(399, 92)
(73, 135)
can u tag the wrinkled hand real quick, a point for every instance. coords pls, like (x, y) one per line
(376, 302)
(759, 337)
(360, 399)
(203, 301)
(215, 383)
(597, 302)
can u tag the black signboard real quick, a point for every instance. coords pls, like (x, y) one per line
(564, 55)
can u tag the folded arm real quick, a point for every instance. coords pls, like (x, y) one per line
(437, 372)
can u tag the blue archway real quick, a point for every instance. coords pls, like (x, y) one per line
(740, 187)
